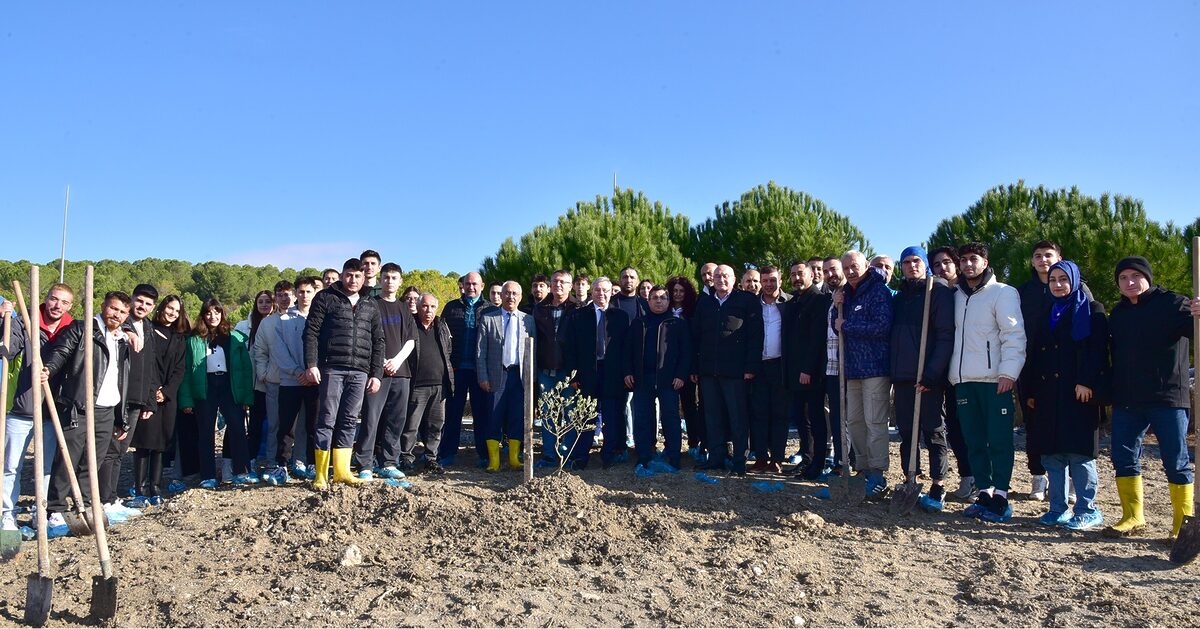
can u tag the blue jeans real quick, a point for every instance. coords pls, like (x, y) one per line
(1082, 474)
(645, 421)
(341, 398)
(1129, 424)
(18, 434)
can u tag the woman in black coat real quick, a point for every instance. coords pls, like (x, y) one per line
(157, 434)
(1068, 379)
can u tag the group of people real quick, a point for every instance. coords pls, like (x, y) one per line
(350, 376)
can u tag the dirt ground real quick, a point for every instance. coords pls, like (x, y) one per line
(603, 548)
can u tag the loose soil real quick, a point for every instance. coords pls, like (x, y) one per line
(603, 548)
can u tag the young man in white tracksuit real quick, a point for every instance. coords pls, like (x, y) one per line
(989, 352)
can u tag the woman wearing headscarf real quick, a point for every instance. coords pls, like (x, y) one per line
(1068, 378)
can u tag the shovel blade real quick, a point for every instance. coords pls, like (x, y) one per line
(848, 491)
(77, 524)
(38, 594)
(904, 498)
(104, 598)
(10, 545)
(1187, 544)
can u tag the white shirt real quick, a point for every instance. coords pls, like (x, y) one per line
(109, 393)
(215, 361)
(772, 327)
(138, 327)
(722, 300)
(512, 339)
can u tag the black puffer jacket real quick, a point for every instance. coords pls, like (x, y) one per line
(1150, 350)
(908, 305)
(66, 357)
(344, 336)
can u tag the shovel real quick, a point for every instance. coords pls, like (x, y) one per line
(40, 588)
(906, 494)
(845, 491)
(104, 585)
(1187, 544)
(10, 541)
(77, 520)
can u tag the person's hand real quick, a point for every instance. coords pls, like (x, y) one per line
(922, 388)
(694, 378)
(805, 379)
(677, 384)
(628, 382)
(146, 414)
(159, 397)
(487, 386)
(838, 298)
(1194, 305)
(187, 411)
(373, 385)
(6, 308)
(135, 342)
(391, 366)
(313, 374)
(121, 434)
(1005, 385)
(1083, 394)
(1031, 403)
(45, 375)
(837, 325)
(747, 376)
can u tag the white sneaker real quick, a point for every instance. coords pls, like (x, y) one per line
(966, 488)
(1038, 486)
(9, 523)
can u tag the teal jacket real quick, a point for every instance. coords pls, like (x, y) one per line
(195, 373)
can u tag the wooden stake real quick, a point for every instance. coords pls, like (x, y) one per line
(529, 379)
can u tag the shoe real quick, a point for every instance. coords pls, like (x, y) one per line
(321, 469)
(929, 504)
(663, 467)
(642, 471)
(141, 502)
(364, 475)
(966, 488)
(1182, 505)
(56, 526)
(823, 494)
(28, 534)
(113, 515)
(389, 471)
(276, 477)
(1054, 518)
(245, 479)
(796, 459)
(1038, 486)
(208, 483)
(514, 455)
(446, 461)
(298, 469)
(176, 486)
(9, 523)
(1129, 490)
(877, 486)
(341, 467)
(975, 509)
(693, 452)
(493, 457)
(1086, 521)
(433, 468)
(752, 458)
(998, 511)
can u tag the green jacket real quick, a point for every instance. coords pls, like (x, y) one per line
(195, 373)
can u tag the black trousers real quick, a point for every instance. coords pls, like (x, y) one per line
(426, 417)
(383, 418)
(813, 427)
(110, 465)
(693, 414)
(954, 434)
(769, 402)
(291, 401)
(76, 457)
(932, 426)
(725, 408)
(256, 429)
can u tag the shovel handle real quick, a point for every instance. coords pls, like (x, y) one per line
(842, 402)
(916, 418)
(89, 384)
(39, 455)
(4, 385)
(1196, 359)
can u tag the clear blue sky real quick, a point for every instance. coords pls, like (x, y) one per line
(298, 133)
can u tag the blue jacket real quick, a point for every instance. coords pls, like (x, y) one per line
(867, 328)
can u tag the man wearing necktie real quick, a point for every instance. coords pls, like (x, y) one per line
(594, 348)
(501, 339)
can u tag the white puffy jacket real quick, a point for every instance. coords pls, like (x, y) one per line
(989, 333)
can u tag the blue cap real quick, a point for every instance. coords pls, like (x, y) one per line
(919, 251)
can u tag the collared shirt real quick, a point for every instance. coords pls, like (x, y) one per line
(772, 329)
(110, 392)
(601, 328)
(831, 348)
(215, 361)
(721, 300)
(512, 339)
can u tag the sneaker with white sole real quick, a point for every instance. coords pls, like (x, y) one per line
(389, 471)
(56, 526)
(208, 483)
(1038, 486)
(966, 488)
(1086, 521)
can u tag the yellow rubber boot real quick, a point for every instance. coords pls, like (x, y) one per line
(1183, 503)
(514, 454)
(321, 465)
(1129, 489)
(493, 448)
(341, 467)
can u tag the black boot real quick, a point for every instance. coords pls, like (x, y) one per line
(140, 469)
(154, 482)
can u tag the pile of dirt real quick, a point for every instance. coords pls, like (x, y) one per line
(604, 548)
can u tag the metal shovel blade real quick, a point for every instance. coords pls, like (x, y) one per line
(1187, 544)
(848, 491)
(10, 545)
(77, 524)
(104, 598)
(37, 600)
(905, 497)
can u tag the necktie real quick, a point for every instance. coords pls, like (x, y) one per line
(512, 341)
(600, 334)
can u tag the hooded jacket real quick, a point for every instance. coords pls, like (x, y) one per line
(989, 334)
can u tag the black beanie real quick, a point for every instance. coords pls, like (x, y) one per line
(1137, 263)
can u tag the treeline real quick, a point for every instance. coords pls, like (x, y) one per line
(772, 224)
(235, 285)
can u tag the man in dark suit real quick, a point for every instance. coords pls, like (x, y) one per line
(727, 331)
(593, 347)
(804, 361)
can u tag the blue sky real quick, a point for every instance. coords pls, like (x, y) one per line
(298, 133)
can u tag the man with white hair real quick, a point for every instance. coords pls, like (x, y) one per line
(500, 352)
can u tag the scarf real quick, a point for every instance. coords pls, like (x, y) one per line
(1074, 302)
